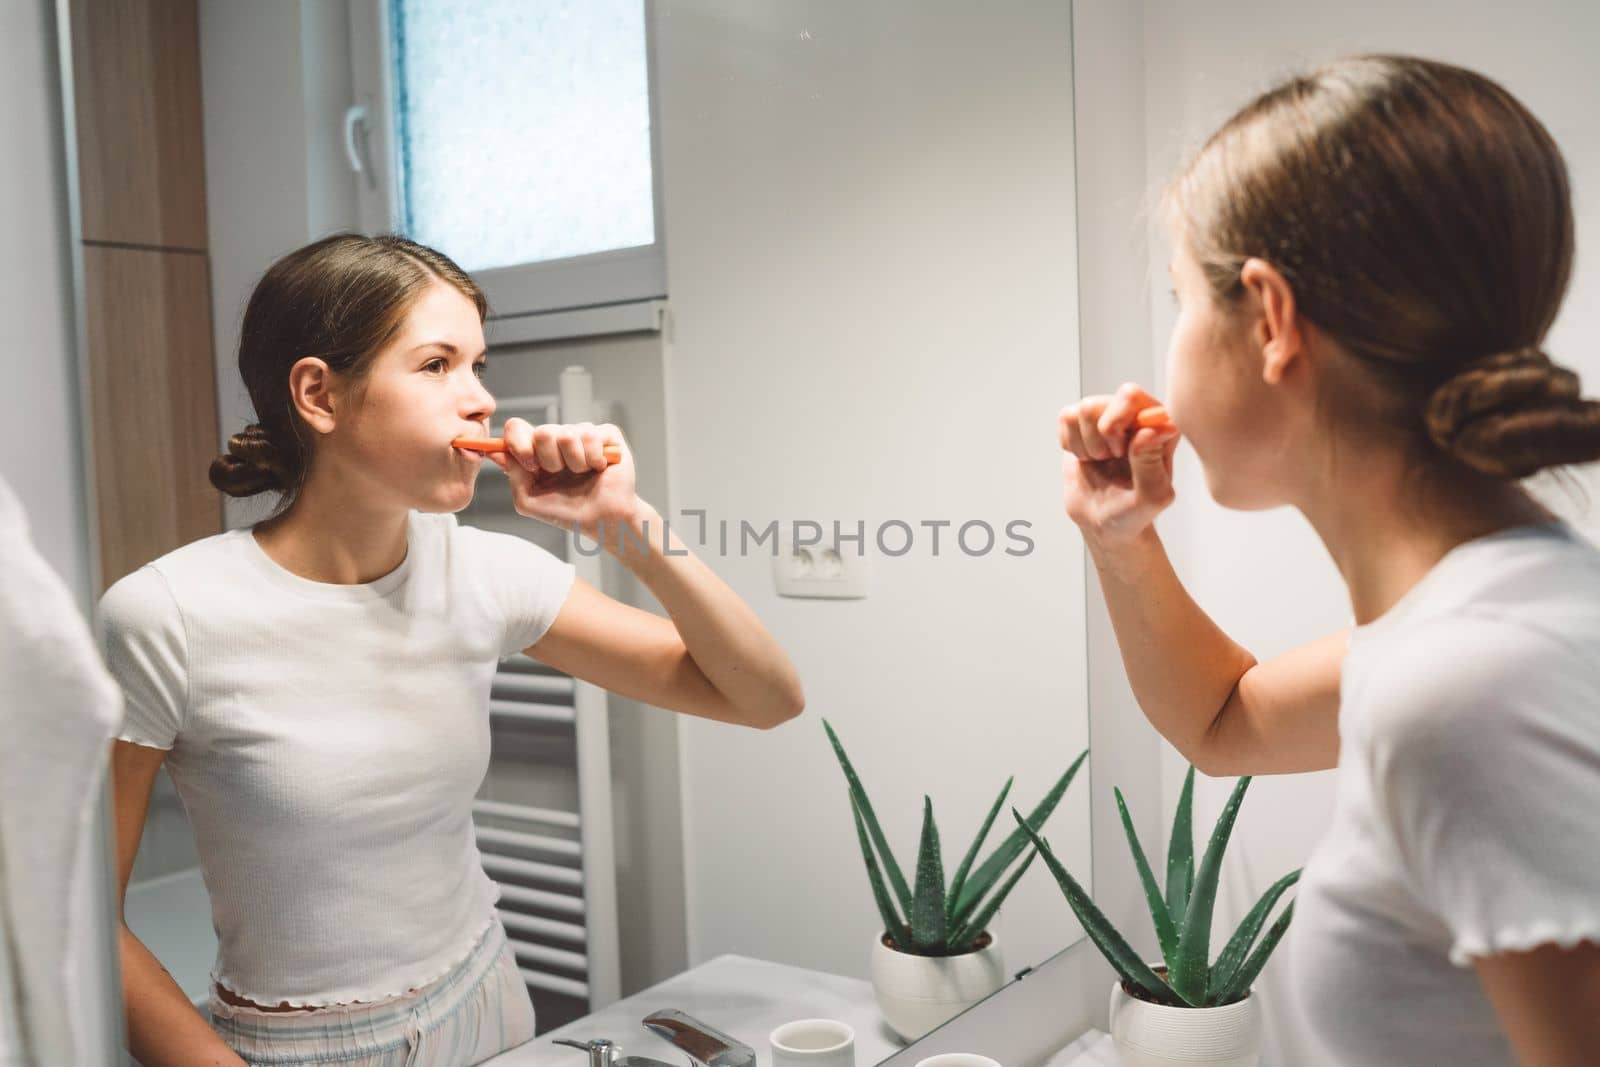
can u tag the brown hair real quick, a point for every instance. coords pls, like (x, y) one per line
(340, 299)
(1423, 218)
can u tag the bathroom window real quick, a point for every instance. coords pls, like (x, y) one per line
(518, 138)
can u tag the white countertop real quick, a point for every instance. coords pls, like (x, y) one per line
(743, 997)
(1093, 1049)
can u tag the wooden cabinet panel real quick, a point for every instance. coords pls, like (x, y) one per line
(152, 398)
(141, 154)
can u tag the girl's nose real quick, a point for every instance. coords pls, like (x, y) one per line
(481, 404)
(482, 408)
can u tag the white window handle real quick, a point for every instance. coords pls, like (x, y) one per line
(355, 145)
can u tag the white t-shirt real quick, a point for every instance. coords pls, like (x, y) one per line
(327, 742)
(1466, 802)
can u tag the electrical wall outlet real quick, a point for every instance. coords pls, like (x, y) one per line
(819, 569)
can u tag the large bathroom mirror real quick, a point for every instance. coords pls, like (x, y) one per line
(817, 259)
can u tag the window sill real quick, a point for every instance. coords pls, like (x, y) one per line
(640, 316)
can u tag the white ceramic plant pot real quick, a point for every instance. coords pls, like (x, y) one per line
(1157, 1035)
(917, 993)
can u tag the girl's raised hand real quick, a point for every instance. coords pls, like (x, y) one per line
(1117, 475)
(560, 475)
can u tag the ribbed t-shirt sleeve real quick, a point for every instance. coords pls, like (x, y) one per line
(529, 584)
(1486, 763)
(142, 637)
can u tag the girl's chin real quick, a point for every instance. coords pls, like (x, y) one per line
(1236, 496)
(448, 496)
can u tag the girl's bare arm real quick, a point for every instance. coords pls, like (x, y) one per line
(712, 657)
(1227, 713)
(164, 1029)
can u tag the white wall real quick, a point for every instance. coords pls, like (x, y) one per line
(870, 242)
(1264, 576)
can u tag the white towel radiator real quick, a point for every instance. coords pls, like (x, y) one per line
(556, 869)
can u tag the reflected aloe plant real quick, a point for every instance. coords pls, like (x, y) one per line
(932, 919)
(1183, 917)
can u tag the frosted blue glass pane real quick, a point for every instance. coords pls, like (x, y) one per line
(524, 128)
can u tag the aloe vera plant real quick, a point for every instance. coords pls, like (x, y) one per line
(929, 917)
(1183, 916)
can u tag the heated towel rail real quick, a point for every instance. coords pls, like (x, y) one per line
(556, 869)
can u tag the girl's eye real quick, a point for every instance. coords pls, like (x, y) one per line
(1173, 293)
(440, 365)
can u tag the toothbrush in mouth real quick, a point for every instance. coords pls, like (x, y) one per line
(613, 451)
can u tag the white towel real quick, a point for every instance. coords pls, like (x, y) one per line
(58, 712)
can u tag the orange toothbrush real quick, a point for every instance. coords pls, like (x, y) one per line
(1155, 418)
(613, 451)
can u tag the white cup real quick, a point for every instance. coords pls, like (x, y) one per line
(814, 1043)
(958, 1059)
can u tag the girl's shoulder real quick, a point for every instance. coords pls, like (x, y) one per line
(1483, 682)
(1546, 577)
(473, 544)
(1502, 636)
(206, 563)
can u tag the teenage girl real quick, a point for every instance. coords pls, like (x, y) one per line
(1366, 261)
(317, 685)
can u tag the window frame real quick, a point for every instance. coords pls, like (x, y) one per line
(618, 277)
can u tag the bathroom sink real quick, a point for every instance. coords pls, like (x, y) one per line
(746, 998)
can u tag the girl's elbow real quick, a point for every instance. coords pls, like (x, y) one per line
(785, 706)
(796, 704)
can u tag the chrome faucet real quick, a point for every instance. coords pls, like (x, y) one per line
(703, 1044)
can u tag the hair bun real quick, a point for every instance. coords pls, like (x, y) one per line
(252, 464)
(1513, 413)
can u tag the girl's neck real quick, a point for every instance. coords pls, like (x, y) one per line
(335, 537)
(1386, 523)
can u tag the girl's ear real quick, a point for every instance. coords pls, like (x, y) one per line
(311, 391)
(1279, 330)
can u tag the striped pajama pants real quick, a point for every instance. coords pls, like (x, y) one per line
(478, 1010)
